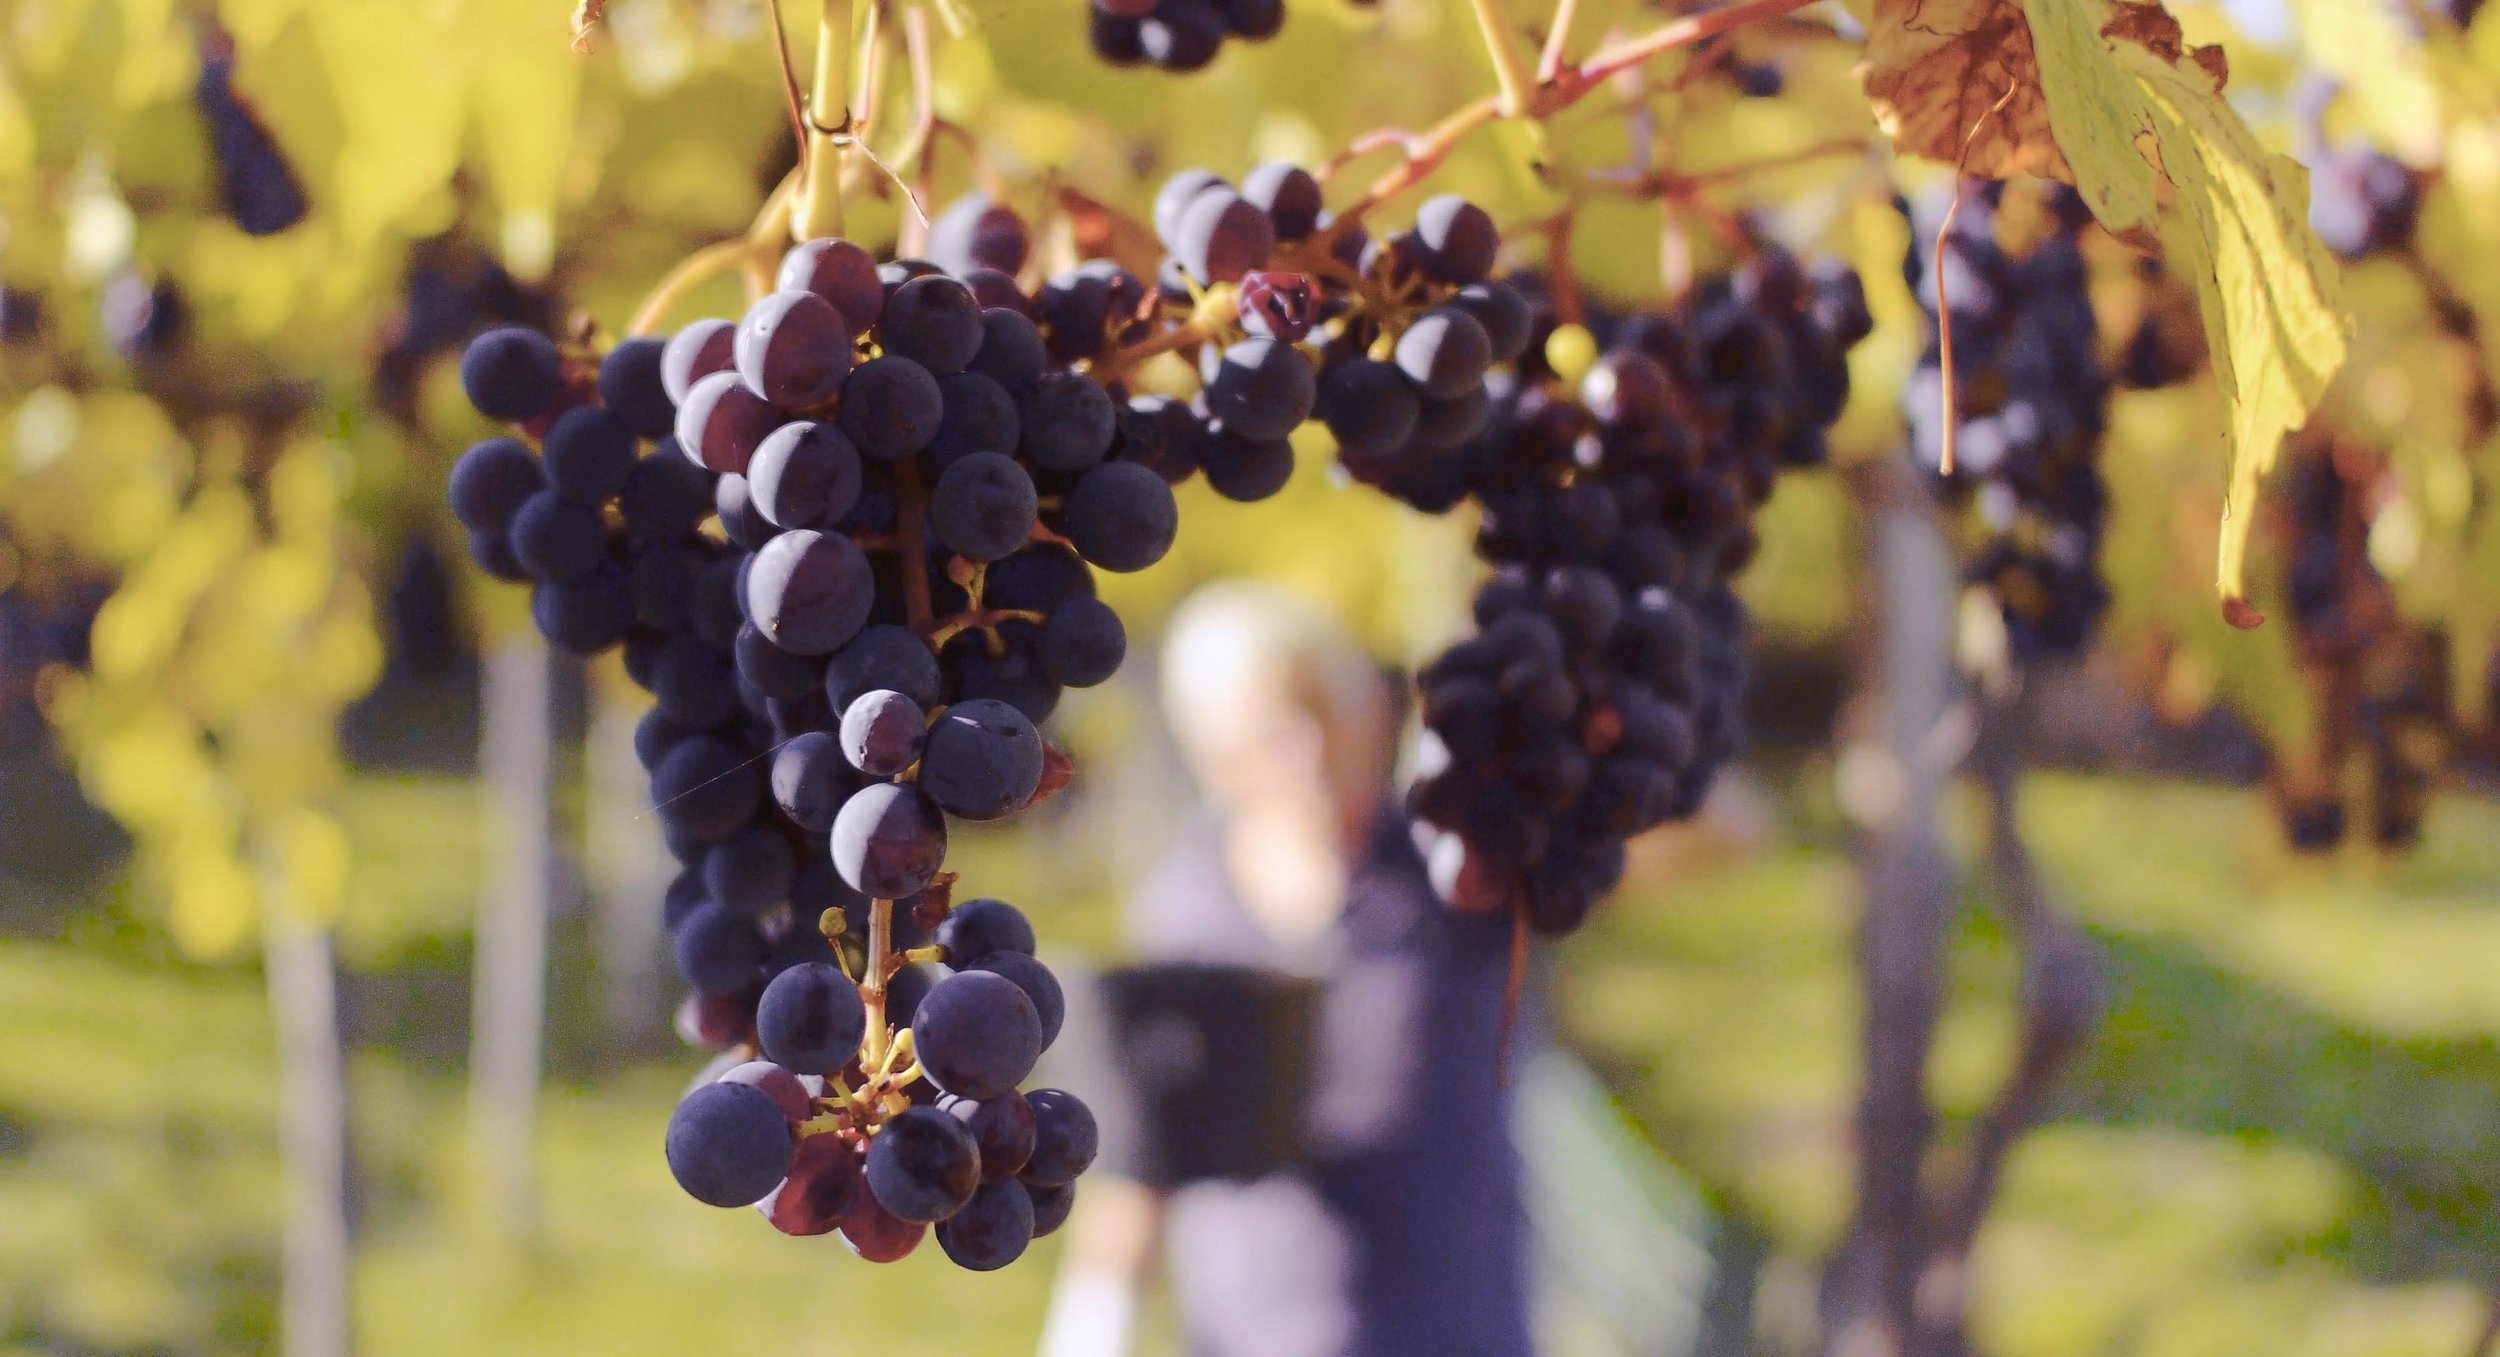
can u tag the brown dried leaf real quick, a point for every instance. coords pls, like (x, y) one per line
(1933, 69)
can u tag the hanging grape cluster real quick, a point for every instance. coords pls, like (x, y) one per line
(1618, 468)
(2031, 405)
(1179, 36)
(2379, 681)
(845, 541)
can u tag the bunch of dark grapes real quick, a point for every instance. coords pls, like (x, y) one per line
(1600, 694)
(2379, 680)
(1389, 340)
(2031, 404)
(1177, 35)
(845, 542)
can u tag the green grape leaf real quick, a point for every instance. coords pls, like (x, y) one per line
(2107, 96)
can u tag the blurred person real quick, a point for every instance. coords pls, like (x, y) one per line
(1400, 1228)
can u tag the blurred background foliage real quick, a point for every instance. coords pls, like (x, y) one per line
(220, 466)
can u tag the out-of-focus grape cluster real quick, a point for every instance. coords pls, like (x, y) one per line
(2031, 407)
(1618, 469)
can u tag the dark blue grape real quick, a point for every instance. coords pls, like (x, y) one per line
(588, 454)
(558, 540)
(841, 273)
(1222, 235)
(883, 657)
(749, 872)
(882, 733)
(793, 348)
(1067, 422)
(983, 760)
(977, 1034)
(633, 389)
(511, 374)
(706, 787)
(977, 928)
(665, 497)
(888, 841)
(933, 321)
(1039, 985)
(728, 1145)
(1012, 353)
(1261, 388)
(491, 481)
(984, 507)
(1289, 196)
(694, 353)
(810, 592)
(1369, 407)
(1001, 1126)
(695, 682)
(721, 422)
(1457, 239)
(804, 475)
(1244, 470)
(1065, 1138)
(587, 615)
(1445, 351)
(1082, 643)
(1121, 517)
(810, 1019)
(923, 1166)
(991, 1231)
(891, 408)
(718, 952)
(1182, 35)
(980, 417)
(1051, 1205)
(811, 780)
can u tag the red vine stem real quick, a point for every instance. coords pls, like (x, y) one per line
(789, 82)
(1944, 312)
(1549, 63)
(1425, 153)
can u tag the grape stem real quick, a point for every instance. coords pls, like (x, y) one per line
(1216, 313)
(977, 619)
(1501, 42)
(1569, 84)
(820, 201)
(1946, 402)
(872, 989)
(1549, 62)
(751, 254)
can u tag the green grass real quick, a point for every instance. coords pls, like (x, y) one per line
(2283, 1142)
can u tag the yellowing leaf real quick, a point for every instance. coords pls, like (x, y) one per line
(2135, 119)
